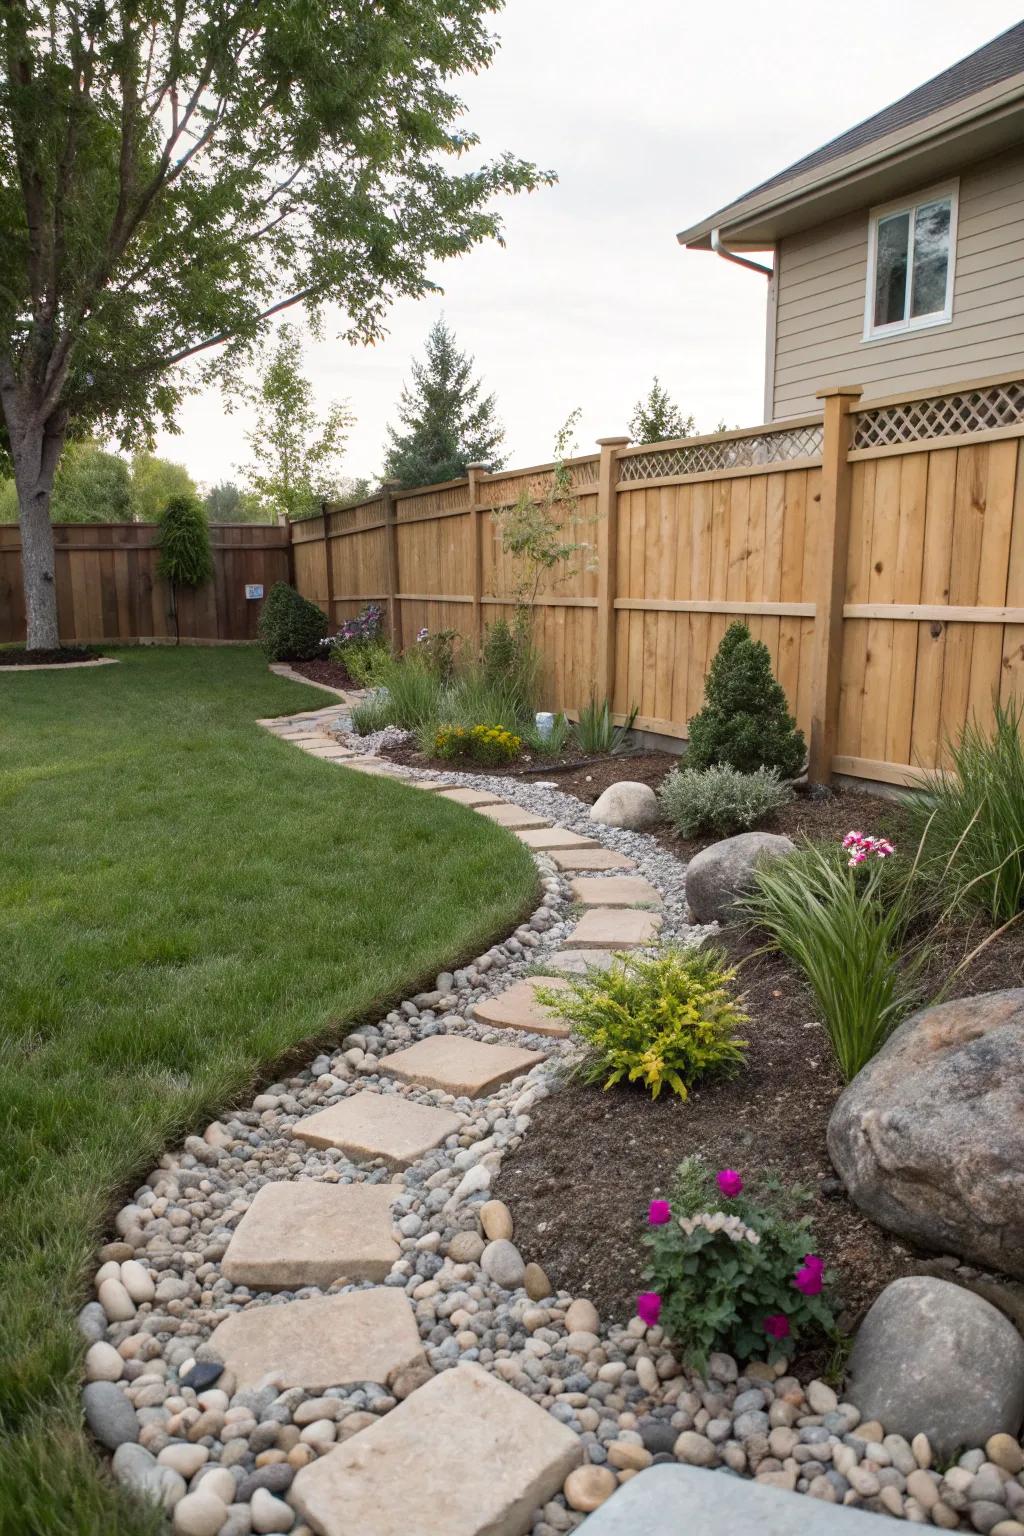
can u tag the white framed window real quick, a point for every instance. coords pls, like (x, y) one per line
(911, 261)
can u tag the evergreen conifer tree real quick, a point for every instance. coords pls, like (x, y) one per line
(447, 425)
(657, 419)
(745, 721)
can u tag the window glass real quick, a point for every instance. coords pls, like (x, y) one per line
(931, 258)
(893, 237)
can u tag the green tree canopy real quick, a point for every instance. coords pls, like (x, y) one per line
(172, 176)
(155, 482)
(90, 486)
(297, 453)
(657, 419)
(447, 424)
(227, 503)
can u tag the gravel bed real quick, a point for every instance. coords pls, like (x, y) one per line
(177, 1424)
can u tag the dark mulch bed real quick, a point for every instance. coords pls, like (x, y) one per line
(323, 670)
(18, 656)
(580, 1183)
(576, 773)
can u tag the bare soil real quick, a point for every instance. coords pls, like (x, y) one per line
(323, 670)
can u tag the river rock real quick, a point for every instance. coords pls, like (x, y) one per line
(717, 875)
(929, 1137)
(627, 804)
(109, 1415)
(502, 1262)
(933, 1358)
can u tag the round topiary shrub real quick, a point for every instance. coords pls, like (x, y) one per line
(290, 627)
(745, 722)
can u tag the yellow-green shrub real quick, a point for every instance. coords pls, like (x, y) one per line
(668, 1019)
(490, 745)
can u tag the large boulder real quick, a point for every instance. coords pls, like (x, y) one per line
(717, 875)
(932, 1358)
(627, 804)
(929, 1137)
(687, 1501)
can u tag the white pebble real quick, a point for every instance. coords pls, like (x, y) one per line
(137, 1281)
(199, 1514)
(115, 1301)
(103, 1363)
(270, 1514)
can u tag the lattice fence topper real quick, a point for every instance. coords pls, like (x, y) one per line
(976, 410)
(729, 453)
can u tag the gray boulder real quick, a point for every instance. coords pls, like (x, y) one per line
(717, 875)
(502, 1262)
(689, 1501)
(628, 804)
(929, 1137)
(932, 1358)
(109, 1414)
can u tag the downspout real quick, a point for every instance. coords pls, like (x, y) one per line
(720, 249)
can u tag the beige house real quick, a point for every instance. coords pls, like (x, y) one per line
(898, 247)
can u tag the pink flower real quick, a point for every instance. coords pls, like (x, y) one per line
(729, 1183)
(658, 1212)
(648, 1307)
(777, 1326)
(852, 838)
(809, 1279)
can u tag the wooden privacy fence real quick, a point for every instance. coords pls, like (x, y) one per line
(877, 548)
(108, 589)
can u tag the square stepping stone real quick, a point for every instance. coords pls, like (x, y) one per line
(616, 891)
(615, 928)
(431, 785)
(590, 858)
(464, 1068)
(385, 1125)
(512, 815)
(554, 837)
(303, 1232)
(576, 962)
(463, 796)
(517, 1007)
(330, 1341)
(465, 1455)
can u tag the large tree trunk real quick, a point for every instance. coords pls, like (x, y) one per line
(35, 450)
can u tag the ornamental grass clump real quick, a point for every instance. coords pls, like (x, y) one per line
(721, 800)
(745, 721)
(732, 1273)
(829, 908)
(671, 1019)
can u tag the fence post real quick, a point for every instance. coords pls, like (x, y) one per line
(325, 515)
(387, 492)
(475, 473)
(607, 561)
(830, 582)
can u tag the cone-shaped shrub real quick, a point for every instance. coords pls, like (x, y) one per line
(185, 558)
(745, 721)
(290, 628)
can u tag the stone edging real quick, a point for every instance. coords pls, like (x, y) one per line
(195, 1422)
(282, 669)
(64, 666)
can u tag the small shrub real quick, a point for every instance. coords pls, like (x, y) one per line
(511, 663)
(732, 1273)
(490, 745)
(824, 907)
(721, 799)
(745, 722)
(290, 628)
(438, 651)
(360, 645)
(974, 820)
(372, 714)
(668, 1019)
(185, 557)
(596, 731)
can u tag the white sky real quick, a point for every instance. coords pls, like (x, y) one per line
(653, 115)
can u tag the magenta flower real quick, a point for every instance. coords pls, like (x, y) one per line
(777, 1326)
(729, 1183)
(648, 1307)
(809, 1278)
(658, 1212)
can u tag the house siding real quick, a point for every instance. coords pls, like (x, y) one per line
(819, 301)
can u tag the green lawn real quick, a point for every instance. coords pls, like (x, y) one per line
(183, 899)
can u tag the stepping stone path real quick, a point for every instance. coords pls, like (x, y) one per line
(307, 1233)
(517, 1008)
(465, 1455)
(464, 1068)
(615, 928)
(543, 837)
(387, 1126)
(615, 891)
(470, 796)
(576, 962)
(590, 858)
(512, 816)
(328, 1341)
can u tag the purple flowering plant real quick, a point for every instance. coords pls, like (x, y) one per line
(730, 1270)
